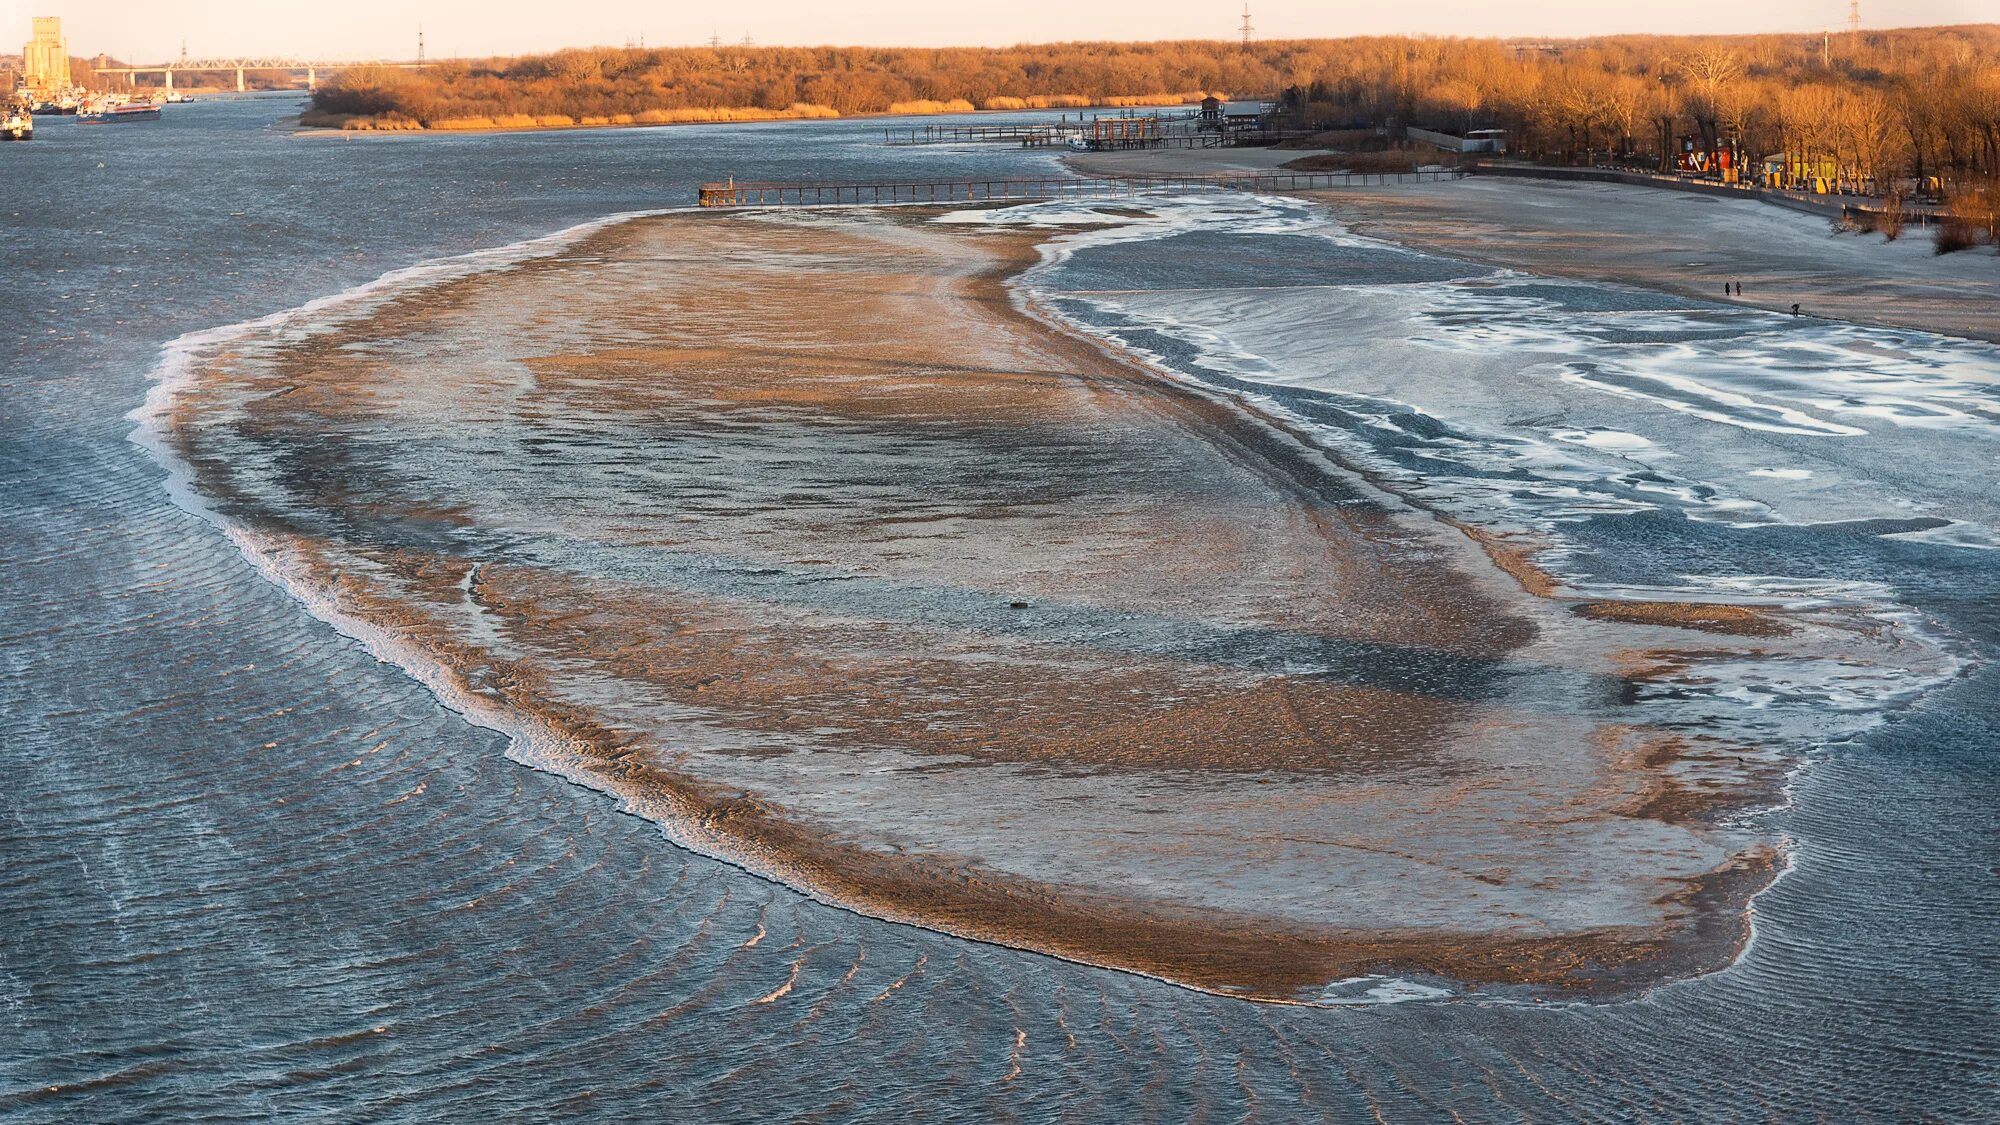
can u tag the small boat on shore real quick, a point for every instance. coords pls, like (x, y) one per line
(18, 124)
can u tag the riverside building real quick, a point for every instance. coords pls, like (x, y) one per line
(45, 58)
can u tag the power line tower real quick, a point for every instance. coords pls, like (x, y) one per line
(715, 40)
(1853, 20)
(420, 46)
(1246, 24)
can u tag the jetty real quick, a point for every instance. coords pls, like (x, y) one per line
(1039, 134)
(1031, 135)
(846, 193)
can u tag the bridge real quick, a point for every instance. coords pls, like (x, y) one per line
(311, 67)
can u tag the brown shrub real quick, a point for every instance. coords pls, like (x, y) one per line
(1953, 234)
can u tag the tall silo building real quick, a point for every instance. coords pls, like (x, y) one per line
(46, 57)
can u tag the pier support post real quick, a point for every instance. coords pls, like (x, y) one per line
(169, 72)
(239, 79)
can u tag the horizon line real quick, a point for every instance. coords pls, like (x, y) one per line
(1025, 43)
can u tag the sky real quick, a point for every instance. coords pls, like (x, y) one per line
(152, 31)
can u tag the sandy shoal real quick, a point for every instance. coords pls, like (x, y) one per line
(805, 537)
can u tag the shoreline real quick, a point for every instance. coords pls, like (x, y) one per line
(299, 129)
(1679, 243)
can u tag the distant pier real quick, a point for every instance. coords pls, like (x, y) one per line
(832, 193)
(1041, 133)
(1031, 135)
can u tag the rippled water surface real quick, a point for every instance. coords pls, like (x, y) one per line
(247, 869)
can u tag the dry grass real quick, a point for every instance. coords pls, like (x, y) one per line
(1189, 97)
(927, 105)
(1037, 101)
(561, 121)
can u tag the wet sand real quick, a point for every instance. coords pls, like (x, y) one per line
(807, 539)
(1689, 244)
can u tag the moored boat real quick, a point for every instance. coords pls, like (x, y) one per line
(107, 113)
(17, 124)
(61, 102)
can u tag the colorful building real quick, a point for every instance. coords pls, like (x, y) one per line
(1809, 171)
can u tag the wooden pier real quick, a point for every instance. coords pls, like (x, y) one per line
(1034, 134)
(1029, 135)
(832, 193)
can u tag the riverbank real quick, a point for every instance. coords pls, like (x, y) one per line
(1668, 241)
(1690, 245)
(317, 123)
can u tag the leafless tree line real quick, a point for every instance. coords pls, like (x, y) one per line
(1874, 112)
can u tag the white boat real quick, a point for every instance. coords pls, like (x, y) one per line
(17, 125)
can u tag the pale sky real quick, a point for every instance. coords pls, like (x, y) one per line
(151, 31)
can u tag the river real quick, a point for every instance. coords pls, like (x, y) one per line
(253, 867)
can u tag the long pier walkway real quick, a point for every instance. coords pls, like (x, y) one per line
(1030, 134)
(831, 193)
(976, 134)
